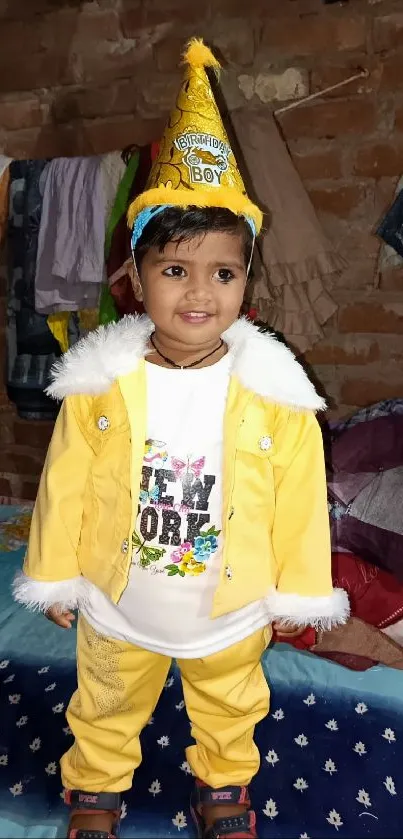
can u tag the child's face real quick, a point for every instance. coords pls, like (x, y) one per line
(193, 291)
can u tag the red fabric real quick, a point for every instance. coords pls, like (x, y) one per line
(303, 642)
(376, 596)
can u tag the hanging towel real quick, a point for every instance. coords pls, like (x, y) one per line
(70, 264)
(293, 258)
(31, 347)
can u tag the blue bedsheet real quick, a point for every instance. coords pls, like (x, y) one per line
(331, 747)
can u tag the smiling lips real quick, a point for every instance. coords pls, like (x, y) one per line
(195, 317)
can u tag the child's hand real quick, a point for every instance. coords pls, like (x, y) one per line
(63, 619)
(288, 630)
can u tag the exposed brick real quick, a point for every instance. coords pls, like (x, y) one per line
(318, 165)
(15, 461)
(233, 95)
(378, 159)
(391, 347)
(330, 119)
(339, 201)
(351, 350)
(5, 487)
(123, 59)
(106, 135)
(95, 26)
(233, 41)
(384, 193)
(372, 317)
(21, 10)
(45, 43)
(120, 97)
(156, 12)
(315, 34)
(158, 95)
(49, 141)
(292, 83)
(42, 70)
(392, 72)
(257, 8)
(34, 434)
(167, 53)
(363, 392)
(391, 280)
(388, 31)
(21, 113)
(399, 117)
(325, 76)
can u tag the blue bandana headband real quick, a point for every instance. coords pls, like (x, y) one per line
(148, 213)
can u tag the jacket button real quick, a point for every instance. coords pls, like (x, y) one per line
(228, 572)
(125, 546)
(103, 423)
(265, 443)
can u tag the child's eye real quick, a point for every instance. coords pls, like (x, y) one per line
(224, 275)
(174, 271)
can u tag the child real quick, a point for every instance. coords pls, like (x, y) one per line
(182, 508)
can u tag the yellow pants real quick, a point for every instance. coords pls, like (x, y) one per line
(119, 685)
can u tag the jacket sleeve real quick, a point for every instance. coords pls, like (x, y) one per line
(51, 574)
(301, 533)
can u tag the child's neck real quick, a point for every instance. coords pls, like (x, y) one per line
(166, 353)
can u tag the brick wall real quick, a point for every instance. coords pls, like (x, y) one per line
(86, 77)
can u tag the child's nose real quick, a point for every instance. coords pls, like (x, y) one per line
(199, 288)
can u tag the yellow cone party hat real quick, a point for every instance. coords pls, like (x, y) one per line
(195, 165)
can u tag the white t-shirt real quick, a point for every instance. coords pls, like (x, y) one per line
(177, 546)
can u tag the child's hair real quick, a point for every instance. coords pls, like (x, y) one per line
(174, 224)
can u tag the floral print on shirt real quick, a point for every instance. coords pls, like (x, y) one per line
(173, 534)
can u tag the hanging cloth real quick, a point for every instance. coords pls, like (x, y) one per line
(390, 230)
(120, 259)
(31, 347)
(294, 260)
(70, 264)
(107, 309)
(4, 201)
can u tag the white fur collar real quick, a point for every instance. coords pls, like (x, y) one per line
(260, 362)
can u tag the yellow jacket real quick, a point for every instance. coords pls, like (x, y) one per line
(275, 519)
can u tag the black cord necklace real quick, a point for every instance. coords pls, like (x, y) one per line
(184, 366)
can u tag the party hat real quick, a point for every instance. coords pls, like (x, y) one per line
(195, 165)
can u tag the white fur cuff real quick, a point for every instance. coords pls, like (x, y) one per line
(320, 612)
(40, 596)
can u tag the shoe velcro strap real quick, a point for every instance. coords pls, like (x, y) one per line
(80, 800)
(233, 827)
(222, 796)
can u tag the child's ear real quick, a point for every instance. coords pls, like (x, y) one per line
(135, 280)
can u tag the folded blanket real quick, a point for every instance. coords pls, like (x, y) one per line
(376, 596)
(358, 640)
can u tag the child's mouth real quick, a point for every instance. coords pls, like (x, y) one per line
(195, 317)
